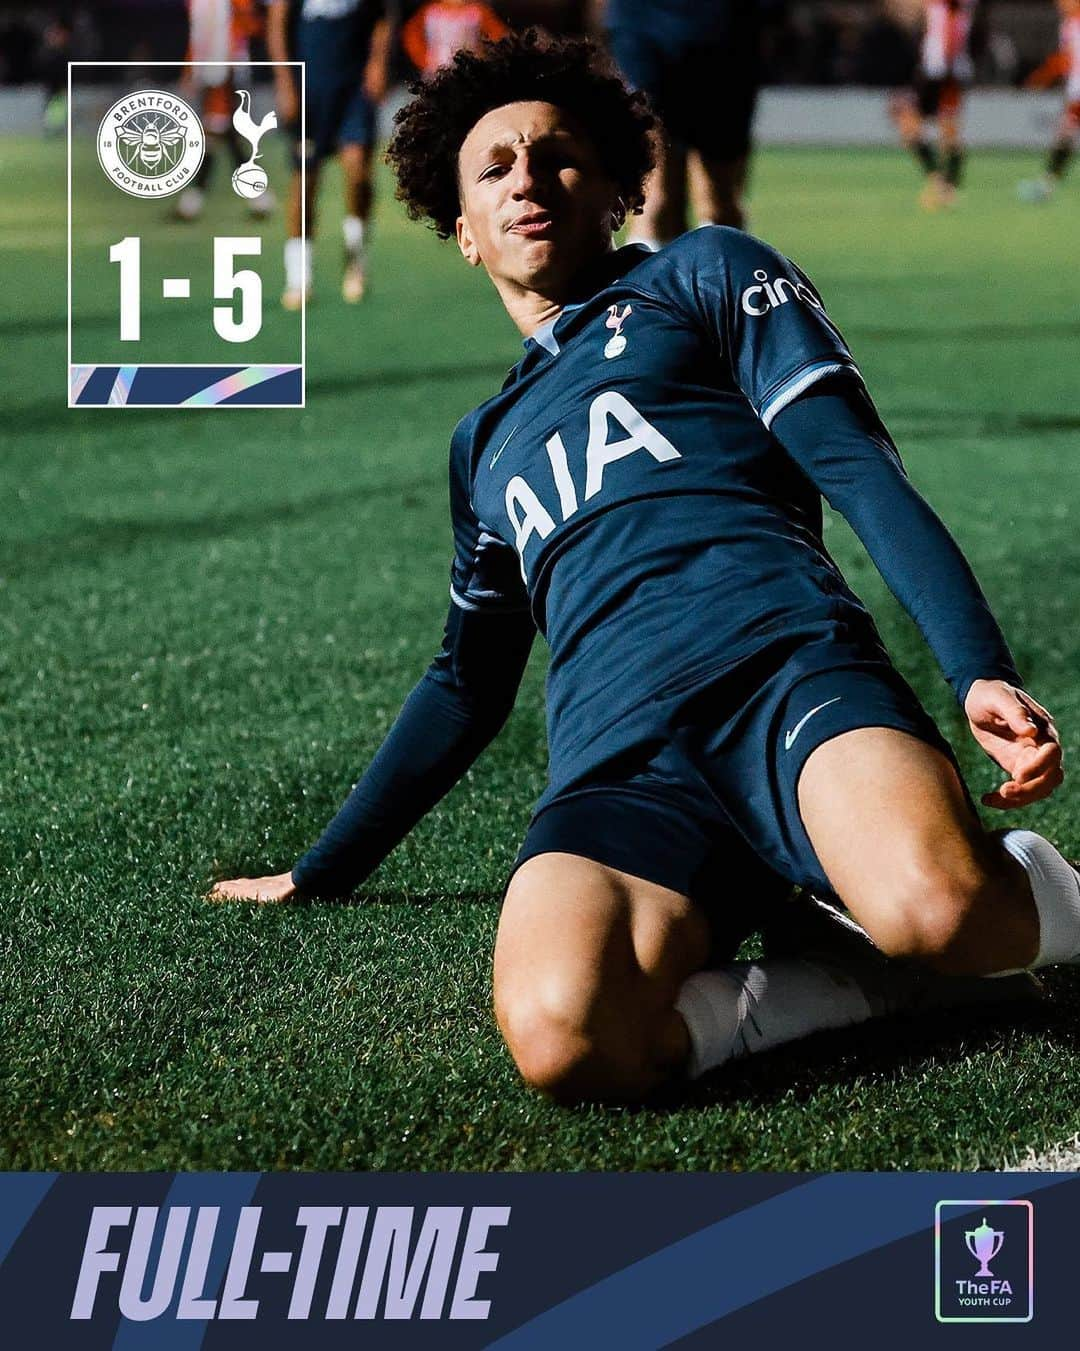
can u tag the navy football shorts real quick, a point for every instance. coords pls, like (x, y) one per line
(337, 114)
(713, 813)
(705, 93)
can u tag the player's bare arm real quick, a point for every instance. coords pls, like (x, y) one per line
(377, 70)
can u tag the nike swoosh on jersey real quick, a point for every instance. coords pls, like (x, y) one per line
(491, 462)
(789, 737)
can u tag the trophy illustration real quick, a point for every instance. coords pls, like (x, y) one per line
(984, 1244)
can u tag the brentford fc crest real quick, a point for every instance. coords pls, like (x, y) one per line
(151, 143)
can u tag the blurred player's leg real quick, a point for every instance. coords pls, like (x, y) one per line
(701, 71)
(913, 116)
(722, 125)
(356, 171)
(945, 68)
(220, 31)
(217, 108)
(719, 188)
(664, 214)
(298, 251)
(1057, 160)
(905, 110)
(951, 141)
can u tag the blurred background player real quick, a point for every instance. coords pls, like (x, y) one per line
(52, 71)
(346, 45)
(945, 70)
(1063, 65)
(439, 29)
(219, 31)
(699, 63)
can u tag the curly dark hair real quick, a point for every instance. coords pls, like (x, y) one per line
(571, 73)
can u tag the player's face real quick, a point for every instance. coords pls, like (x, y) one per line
(536, 202)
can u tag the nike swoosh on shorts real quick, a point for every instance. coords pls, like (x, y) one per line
(789, 737)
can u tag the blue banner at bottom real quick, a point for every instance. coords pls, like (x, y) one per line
(152, 386)
(529, 1263)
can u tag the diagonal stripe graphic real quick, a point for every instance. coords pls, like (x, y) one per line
(125, 378)
(746, 1257)
(225, 388)
(80, 375)
(23, 1193)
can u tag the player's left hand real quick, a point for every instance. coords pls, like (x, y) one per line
(1019, 734)
(261, 890)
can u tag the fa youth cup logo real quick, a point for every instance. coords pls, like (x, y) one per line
(1005, 1239)
(250, 179)
(150, 144)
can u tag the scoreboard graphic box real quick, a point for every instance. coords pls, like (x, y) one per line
(176, 230)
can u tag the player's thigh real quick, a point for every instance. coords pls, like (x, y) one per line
(894, 831)
(591, 950)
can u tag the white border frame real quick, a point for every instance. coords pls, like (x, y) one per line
(225, 365)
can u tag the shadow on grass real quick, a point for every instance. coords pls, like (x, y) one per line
(373, 900)
(960, 332)
(988, 426)
(889, 1049)
(92, 543)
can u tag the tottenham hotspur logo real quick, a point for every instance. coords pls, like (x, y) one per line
(616, 346)
(150, 144)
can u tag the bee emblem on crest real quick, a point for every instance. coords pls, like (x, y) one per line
(152, 143)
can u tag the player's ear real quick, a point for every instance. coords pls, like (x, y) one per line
(466, 243)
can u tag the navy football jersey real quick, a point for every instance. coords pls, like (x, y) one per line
(625, 485)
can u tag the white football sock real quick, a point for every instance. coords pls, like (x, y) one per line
(1056, 888)
(352, 227)
(298, 264)
(746, 1007)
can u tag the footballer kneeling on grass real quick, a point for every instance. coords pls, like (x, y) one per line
(724, 722)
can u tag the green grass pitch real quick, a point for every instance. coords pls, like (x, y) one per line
(208, 621)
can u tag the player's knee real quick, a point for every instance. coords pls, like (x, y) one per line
(563, 1052)
(557, 1060)
(935, 911)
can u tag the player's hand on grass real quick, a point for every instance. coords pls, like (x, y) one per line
(262, 890)
(1019, 734)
